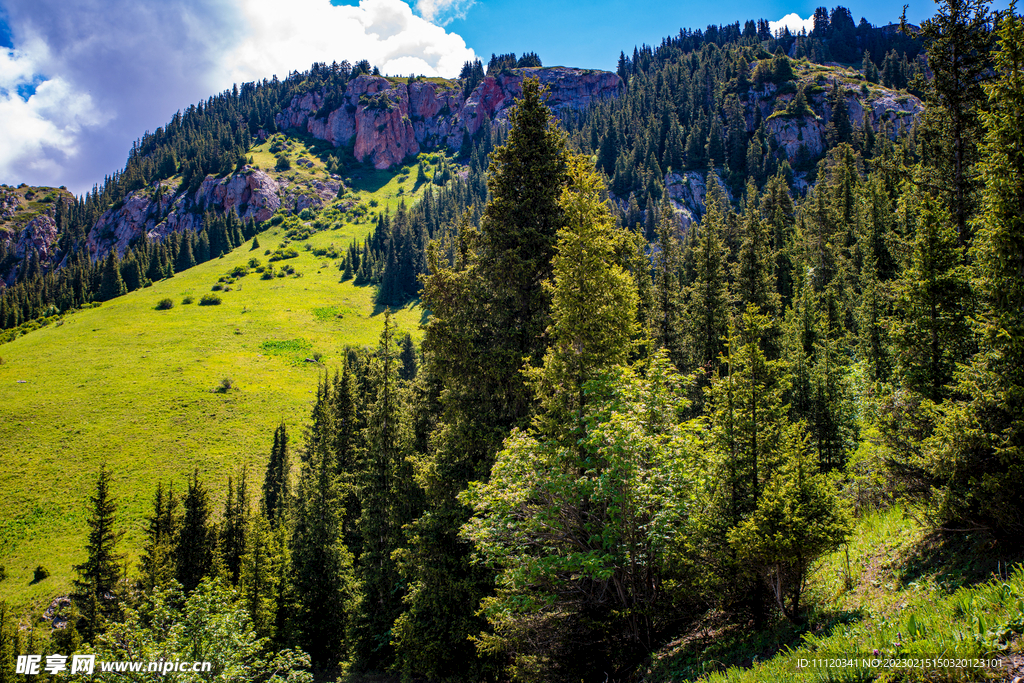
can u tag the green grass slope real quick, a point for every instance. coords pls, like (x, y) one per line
(897, 592)
(136, 388)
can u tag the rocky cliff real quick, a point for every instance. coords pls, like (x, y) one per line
(387, 120)
(887, 110)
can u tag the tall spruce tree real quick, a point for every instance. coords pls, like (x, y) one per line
(388, 498)
(95, 594)
(667, 319)
(975, 458)
(322, 583)
(489, 312)
(157, 564)
(274, 502)
(196, 547)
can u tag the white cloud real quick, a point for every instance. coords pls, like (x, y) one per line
(793, 22)
(106, 71)
(39, 132)
(443, 11)
(280, 37)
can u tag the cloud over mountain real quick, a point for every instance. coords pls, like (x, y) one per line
(87, 78)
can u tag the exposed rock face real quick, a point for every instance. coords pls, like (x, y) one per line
(385, 122)
(887, 110)
(40, 234)
(158, 212)
(687, 193)
(792, 132)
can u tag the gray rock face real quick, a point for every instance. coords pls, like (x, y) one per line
(158, 212)
(386, 122)
(687, 193)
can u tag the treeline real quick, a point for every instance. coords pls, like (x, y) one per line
(81, 282)
(688, 101)
(211, 137)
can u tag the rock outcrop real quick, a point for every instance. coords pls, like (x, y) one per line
(687, 193)
(386, 121)
(158, 211)
(887, 110)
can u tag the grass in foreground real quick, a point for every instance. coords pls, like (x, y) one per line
(896, 592)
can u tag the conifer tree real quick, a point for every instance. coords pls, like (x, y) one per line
(274, 502)
(234, 526)
(260, 574)
(974, 459)
(111, 283)
(196, 546)
(932, 333)
(157, 562)
(94, 592)
(667, 319)
(490, 311)
(388, 503)
(321, 566)
(185, 259)
(799, 517)
(707, 297)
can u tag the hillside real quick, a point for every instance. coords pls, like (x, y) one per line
(136, 387)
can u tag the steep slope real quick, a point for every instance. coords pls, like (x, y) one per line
(137, 388)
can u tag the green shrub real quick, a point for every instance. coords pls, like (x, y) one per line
(210, 300)
(217, 288)
(283, 164)
(187, 300)
(40, 573)
(164, 305)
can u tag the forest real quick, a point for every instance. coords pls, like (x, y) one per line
(613, 428)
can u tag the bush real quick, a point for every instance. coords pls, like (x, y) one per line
(164, 305)
(226, 385)
(217, 288)
(187, 300)
(283, 164)
(40, 573)
(210, 300)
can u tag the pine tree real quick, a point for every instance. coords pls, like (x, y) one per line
(321, 566)
(958, 41)
(667, 318)
(95, 593)
(707, 297)
(593, 305)
(489, 312)
(111, 283)
(798, 518)
(974, 459)
(157, 562)
(197, 537)
(388, 503)
(932, 332)
(185, 258)
(234, 527)
(259, 577)
(274, 503)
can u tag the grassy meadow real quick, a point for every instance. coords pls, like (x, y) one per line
(141, 389)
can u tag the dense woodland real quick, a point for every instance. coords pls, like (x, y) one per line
(611, 429)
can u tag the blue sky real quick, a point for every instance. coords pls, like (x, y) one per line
(81, 79)
(570, 35)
